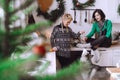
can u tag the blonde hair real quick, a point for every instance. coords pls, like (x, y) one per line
(67, 16)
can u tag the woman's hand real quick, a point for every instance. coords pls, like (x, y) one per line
(81, 32)
(85, 38)
(54, 49)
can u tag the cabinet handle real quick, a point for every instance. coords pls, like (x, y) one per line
(102, 50)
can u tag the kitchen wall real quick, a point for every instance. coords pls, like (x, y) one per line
(108, 6)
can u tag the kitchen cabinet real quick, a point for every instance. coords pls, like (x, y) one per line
(110, 56)
(116, 57)
(51, 57)
(105, 58)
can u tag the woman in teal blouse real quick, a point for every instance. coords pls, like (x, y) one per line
(102, 29)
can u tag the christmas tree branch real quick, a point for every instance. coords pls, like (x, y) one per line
(30, 28)
(26, 11)
(2, 3)
(7, 2)
(23, 6)
(5, 41)
(13, 69)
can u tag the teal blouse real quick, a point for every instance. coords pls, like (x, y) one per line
(95, 28)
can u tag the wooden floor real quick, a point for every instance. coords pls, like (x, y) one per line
(102, 74)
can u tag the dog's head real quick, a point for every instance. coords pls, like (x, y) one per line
(86, 56)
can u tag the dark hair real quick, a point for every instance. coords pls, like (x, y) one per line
(101, 14)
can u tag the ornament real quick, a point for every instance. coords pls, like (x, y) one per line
(39, 50)
(44, 4)
(79, 5)
(54, 14)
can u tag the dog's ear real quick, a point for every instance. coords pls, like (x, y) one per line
(92, 56)
(89, 56)
(84, 56)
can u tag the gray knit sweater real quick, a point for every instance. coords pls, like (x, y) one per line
(61, 38)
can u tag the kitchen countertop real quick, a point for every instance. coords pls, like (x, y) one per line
(113, 47)
(79, 48)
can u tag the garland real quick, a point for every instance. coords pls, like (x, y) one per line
(79, 5)
(118, 9)
(54, 14)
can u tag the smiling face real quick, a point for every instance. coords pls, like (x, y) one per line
(97, 16)
(66, 19)
(66, 22)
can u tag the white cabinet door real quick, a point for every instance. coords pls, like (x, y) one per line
(51, 57)
(116, 57)
(105, 58)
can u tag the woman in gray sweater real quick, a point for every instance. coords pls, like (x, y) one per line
(61, 40)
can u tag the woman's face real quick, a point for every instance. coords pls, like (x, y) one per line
(66, 22)
(97, 16)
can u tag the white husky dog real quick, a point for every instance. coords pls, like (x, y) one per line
(92, 68)
(92, 71)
